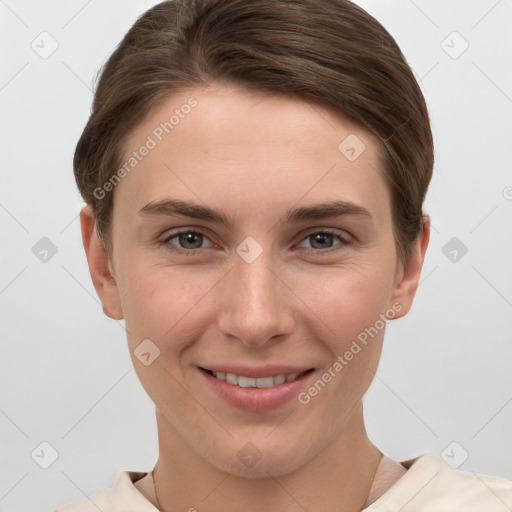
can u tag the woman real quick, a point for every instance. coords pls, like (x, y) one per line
(289, 144)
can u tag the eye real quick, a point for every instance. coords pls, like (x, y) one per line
(188, 241)
(323, 240)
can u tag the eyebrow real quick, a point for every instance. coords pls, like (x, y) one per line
(325, 210)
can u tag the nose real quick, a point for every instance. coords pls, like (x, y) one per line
(257, 305)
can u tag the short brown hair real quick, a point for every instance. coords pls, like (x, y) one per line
(331, 52)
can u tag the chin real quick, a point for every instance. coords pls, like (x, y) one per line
(264, 468)
(261, 456)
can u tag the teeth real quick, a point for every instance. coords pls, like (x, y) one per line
(279, 379)
(231, 378)
(260, 382)
(263, 382)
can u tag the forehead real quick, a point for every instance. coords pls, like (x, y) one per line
(225, 144)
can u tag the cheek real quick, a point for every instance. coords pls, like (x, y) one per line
(171, 304)
(352, 314)
(346, 301)
(162, 304)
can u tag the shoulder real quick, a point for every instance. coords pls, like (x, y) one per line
(101, 499)
(432, 485)
(123, 496)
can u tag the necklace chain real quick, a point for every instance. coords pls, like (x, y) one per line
(154, 487)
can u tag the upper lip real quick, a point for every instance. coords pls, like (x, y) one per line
(255, 371)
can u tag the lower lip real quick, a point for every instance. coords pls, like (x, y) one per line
(256, 399)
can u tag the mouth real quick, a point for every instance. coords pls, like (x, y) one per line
(269, 381)
(255, 389)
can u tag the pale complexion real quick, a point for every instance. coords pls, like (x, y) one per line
(301, 302)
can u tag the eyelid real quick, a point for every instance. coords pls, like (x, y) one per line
(345, 240)
(331, 231)
(178, 231)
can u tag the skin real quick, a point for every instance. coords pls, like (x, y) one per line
(255, 156)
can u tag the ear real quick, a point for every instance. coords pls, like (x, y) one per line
(408, 275)
(100, 266)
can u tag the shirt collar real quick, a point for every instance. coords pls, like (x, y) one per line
(126, 497)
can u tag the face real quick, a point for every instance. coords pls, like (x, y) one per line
(253, 238)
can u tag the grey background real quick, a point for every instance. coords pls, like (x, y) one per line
(65, 373)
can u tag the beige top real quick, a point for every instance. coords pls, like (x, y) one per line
(429, 485)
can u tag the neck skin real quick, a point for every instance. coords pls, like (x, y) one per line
(344, 477)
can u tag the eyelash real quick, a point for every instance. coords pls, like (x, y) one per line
(193, 252)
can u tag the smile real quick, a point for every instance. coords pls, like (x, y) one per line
(256, 389)
(254, 382)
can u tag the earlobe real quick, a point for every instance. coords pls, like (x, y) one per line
(100, 266)
(405, 289)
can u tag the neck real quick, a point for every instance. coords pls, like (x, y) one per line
(337, 479)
